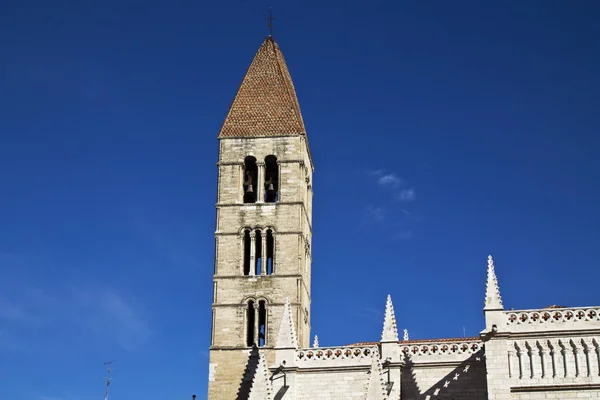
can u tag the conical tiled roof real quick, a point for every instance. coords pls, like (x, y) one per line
(266, 103)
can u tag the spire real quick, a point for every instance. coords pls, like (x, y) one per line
(266, 102)
(287, 333)
(261, 385)
(493, 301)
(376, 389)
(405, 335)
(390, 331)
(316, 342)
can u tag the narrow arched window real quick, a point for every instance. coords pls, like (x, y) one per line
(250, 322)
(250, 179)
(258, 259)
(247, 245)
(262, 323)
(271, 179)
(270, 252)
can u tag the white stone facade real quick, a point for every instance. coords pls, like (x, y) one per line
(528, 354)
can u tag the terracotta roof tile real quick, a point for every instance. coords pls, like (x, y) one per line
(266, 102)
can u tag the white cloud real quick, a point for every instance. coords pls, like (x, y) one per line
(406, 195)
(389, 180)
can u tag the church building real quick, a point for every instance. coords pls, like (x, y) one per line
(260, 343)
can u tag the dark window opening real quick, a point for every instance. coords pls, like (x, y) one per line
(250, 324)
(258, 251)
(262, 323)
(270, 251)
(250, 179)
(247, 243)
(271, 179)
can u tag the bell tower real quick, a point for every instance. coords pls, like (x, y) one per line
(264, 223)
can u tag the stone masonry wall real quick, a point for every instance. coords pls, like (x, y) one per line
(336, 384)
(333, 373)
(445, 370)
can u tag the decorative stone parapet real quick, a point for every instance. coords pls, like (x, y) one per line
(438, 349)
(326, 356)
(554, 319)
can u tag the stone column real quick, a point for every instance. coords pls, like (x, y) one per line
(263, 252)
(595, 358)
(260, 183)
(513, 368)
(552, 362)
(587, 370)
(558, 364)
(544, 363)
(241, 172)
(252, 253)
(564, 360)
(536, 362)
(274, 250)
(578, 360)
(520, 356)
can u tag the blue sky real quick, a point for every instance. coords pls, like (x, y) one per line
(441, 132)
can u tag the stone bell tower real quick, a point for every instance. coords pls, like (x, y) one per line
(264, 224)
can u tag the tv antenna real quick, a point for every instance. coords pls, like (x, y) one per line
(108, 377)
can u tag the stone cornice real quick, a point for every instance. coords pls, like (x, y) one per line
(260, 204)
(241, 163)
(225, 305)
(439, 364)
(249, 277)
(556, 334)
(238, 348)
(555, 388)
(276, 233)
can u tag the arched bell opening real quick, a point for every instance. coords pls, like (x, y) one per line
(262, 323)
(247, 250)
(250, 179)
(271, 179)
(250, 324)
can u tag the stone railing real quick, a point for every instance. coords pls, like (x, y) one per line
(442, 348)
(552, 316)
(335, 354)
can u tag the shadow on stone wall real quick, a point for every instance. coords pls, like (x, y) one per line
(465, 381)
(281, 392)
(246, 384)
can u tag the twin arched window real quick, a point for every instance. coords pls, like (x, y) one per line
(256, 323)
(254, 174)
(259, 252)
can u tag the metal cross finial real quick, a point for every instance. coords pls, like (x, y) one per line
(270, 19)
